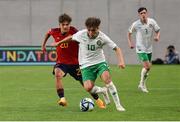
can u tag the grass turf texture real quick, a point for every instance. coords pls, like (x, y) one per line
(28, 93)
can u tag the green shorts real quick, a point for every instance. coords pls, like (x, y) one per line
(144, 56)
(91, 72)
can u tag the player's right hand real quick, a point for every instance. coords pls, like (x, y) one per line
(43, 49)
(132, 47)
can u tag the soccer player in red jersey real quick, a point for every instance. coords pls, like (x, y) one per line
(67, 62)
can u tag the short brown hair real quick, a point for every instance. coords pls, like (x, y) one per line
(141, 9)
(92, 22)
(64, 17)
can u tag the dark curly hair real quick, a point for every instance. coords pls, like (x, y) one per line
(64, 17)
(92, 22)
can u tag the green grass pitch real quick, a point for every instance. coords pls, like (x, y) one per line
(28, 93)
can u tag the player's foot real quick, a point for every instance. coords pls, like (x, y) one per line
(106, 96)
(62, 101)
(144, 85)
(143, 88)
(120, 108)
(100, 103)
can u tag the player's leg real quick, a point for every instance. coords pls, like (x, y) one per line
(105, 76)
(88, 80)
(59, 73)
(75, 72)
(144, 75)
(145, 58)
(93, 89)
(96, 69)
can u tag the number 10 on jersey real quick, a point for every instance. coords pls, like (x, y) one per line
(91, 47)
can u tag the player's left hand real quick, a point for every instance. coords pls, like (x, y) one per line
(156, 39)
(122, 65)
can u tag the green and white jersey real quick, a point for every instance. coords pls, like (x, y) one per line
(91, 50)
(144, 34)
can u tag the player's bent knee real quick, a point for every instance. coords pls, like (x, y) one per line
(88, 87)
(106, 77)
(147, 66)
(58, 75)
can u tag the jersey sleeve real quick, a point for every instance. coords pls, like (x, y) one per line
(108, 41)
(156, 26)
(50, 31)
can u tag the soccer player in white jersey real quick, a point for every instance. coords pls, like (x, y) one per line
(92, 60)
(144, 28)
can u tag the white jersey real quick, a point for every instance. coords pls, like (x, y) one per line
(144, 34)
(91, 50)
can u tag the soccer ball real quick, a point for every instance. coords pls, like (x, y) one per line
(86, 104)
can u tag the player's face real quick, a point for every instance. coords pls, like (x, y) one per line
(65, 26)
(143, 15)
(92, 32)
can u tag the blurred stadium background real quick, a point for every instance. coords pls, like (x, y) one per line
(24, 22)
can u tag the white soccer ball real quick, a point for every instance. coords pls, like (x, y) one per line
(86, 104)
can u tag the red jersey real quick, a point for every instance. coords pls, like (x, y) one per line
(67, 53)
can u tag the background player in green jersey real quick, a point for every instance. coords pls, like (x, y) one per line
(144, 29)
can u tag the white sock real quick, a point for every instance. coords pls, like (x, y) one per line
(143, 73)
(113, 91)
(96, 89)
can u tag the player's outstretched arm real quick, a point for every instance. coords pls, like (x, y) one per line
(120, 57)
(67, 39)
